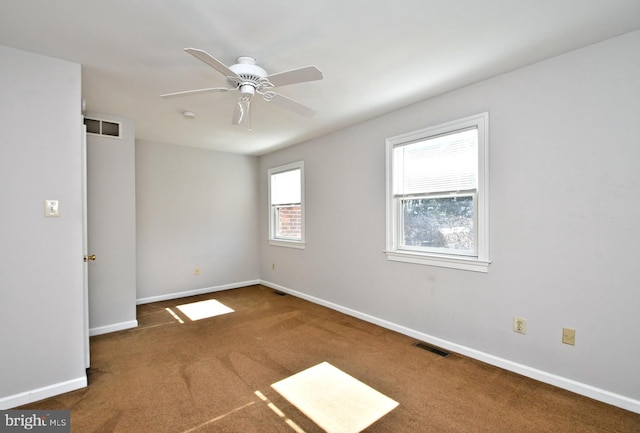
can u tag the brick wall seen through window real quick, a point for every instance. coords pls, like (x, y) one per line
(289, 222)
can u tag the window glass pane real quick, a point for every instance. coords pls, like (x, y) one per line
(286, 187)
(110, 128)
(288, 221)
(445, 222)
(438, 164)
(93, 126)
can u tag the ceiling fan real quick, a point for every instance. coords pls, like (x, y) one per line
(248, 78)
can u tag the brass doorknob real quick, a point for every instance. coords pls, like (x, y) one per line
(92, 257)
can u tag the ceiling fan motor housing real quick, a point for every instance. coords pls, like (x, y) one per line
(252, 75)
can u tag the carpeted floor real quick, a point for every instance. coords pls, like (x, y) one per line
(172, 374)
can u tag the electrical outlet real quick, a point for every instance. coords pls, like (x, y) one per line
(569, 336)
(519, 325)
(196, 271)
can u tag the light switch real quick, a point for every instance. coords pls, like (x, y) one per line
(51, 208)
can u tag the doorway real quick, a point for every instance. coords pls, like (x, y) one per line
(110, 228)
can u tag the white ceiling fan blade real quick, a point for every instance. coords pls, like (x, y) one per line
(192, 92)
(211, 61)
(241, 112)
(301, 75)
(290, 104)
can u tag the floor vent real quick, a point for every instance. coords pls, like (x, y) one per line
(432, 349)
(279, 293)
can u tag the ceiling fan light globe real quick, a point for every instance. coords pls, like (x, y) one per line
(247, 90)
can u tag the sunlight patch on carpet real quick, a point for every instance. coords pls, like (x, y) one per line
(337, 402)
(281, 414)
(218, 418)
(174, 315)
(204, 309)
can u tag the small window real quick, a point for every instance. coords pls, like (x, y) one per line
(110, 128)
(93, 126)
(286, 205)
(102, 127)
(437, 197)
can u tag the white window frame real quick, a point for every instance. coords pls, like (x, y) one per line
(282, 242)
(479, 260)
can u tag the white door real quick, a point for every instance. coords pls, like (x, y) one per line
(108, 181)
(111, 229)
(86, 258)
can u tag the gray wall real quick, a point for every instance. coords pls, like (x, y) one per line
(564, 152)
(195, 208)
(41, 306)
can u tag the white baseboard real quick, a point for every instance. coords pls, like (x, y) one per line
(539, 375)
(42, 393)
(194, 292)
(113, 328)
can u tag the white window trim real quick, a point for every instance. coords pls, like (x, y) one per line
(473, 263)
(300, 244)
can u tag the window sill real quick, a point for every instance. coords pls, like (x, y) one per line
(441, 261)
(289, 244)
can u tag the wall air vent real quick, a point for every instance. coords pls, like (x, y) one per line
(104, 128)
(432, 349)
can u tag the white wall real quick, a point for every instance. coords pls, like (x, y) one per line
(565, 179)
(195, 208)
(41, 306)
(111, 206)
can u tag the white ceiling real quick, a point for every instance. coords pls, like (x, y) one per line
(376, 56)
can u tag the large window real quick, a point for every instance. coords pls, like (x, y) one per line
(286, 205)
(437, 197)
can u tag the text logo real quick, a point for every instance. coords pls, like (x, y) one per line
(45, 421)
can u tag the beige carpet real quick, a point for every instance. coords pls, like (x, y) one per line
(227, 372)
